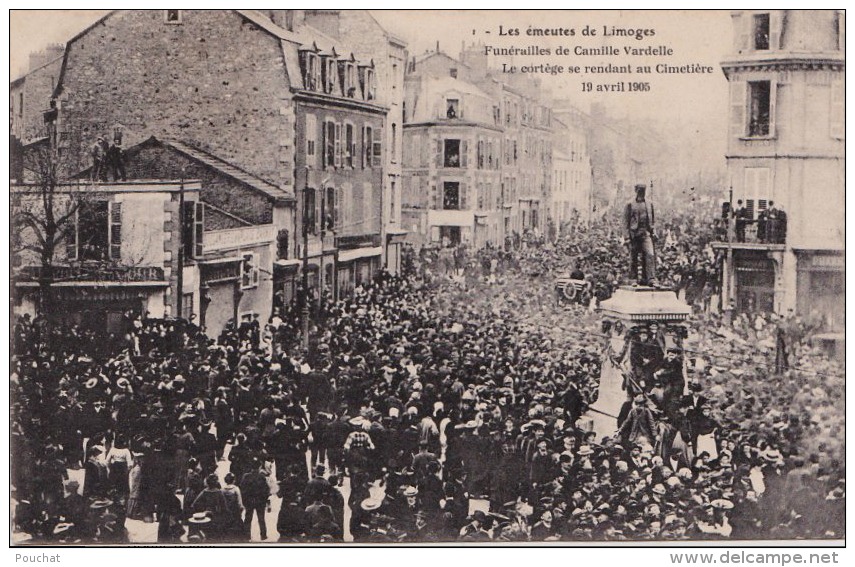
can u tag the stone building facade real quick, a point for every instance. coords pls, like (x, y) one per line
(232, 88)
(478, 152)
(786, 144)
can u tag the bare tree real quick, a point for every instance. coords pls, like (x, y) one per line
(43, 212)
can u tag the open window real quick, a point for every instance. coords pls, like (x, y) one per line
(452, 108)
(93, 231)
(310, 221)
(451, 196)
(249, 271)
(451, 153)
(172, 16)
(760, 106)
(761, 25)
(193, 229)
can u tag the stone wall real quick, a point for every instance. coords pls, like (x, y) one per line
(213, 80)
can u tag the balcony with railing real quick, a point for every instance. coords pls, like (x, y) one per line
(765, 233)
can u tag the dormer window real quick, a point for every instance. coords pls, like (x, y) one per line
(453, 72)
(761, 32)
(367, 82)
(370, 85)
(172, 16)
(312, 73)
(329, 74)
(348, 78)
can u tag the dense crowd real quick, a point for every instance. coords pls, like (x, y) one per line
(447, 404)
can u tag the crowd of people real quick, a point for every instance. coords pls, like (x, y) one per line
(449, 403)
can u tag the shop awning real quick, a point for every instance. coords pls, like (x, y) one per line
(224, 260)
(396, 235)
(356, 253)
(293, 262)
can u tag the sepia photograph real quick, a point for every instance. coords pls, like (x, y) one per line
(426, 277)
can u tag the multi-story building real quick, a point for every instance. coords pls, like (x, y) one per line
(786, 145)
(452, 149)
(263, 95)
(572, 178)
(340, 140)
(371, 42)
(615, 165)
(477, 152)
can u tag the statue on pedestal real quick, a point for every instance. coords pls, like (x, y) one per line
(638, 220)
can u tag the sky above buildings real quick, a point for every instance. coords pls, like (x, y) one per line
(698, 102)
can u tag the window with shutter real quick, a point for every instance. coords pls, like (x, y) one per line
(737, 109)
(346, 207)
(337, 144)
(464, 153)
(200, 231)
(339, 196)
(757, 188)
(776, 21)
(464, 197)
(311, 140)
(357, 209)
(368, 138)
(329, 144)
(838, 110)
(378, 148)
(188, 228)
(309, 211)
(367, 208)
(249, 271)
(349, 145)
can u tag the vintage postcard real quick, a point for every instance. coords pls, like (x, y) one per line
(289, 276)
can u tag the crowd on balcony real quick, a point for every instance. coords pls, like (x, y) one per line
(770, 226)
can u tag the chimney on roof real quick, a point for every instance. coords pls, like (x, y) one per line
(282, 18)
(476, 59)
(437, 46)
(49, 53)
(326, 21)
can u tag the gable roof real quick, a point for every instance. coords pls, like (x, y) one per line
(252, 15)
(230, 170)
(267, 25)
(211, 161)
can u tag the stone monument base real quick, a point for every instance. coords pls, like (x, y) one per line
(632, 305)
(645, 304)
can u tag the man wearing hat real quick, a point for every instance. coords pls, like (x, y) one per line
(638, 221)
(99, 159)
(476, 529)
(317, 488)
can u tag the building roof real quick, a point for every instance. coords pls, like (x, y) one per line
(23, 77)
(449, 83)
(267, 25)
(230, 170)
